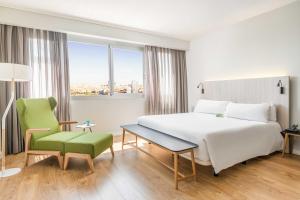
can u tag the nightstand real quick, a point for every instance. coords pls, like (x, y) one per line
(288, 141)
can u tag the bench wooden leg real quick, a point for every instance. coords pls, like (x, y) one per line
(136, 141)
(123, 138)
(176, 170)
(193, 164)
(112, 151)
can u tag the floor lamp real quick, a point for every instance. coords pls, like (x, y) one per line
(12, 73)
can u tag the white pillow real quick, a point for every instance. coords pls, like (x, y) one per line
(251, 112)
(272, 114)
(211, 107)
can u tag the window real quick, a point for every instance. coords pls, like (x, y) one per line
(99, 70)
(89, 69)
(128, 71)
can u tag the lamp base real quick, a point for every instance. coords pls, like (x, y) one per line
(10, 172)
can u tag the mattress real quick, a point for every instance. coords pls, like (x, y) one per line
(222, 141)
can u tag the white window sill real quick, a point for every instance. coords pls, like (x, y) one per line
(107, 97)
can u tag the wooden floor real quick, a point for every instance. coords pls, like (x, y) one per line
(134, 175)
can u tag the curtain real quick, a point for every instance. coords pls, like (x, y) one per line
(13, 49)
(166, 82)
(47, 54)
(49, 59)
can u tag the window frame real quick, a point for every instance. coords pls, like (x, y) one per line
(111, 45)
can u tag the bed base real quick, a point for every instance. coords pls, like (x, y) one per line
(217, 174)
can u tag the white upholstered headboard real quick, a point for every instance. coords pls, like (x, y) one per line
(256, 90)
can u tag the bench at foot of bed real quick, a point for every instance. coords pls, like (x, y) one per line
(169, 143)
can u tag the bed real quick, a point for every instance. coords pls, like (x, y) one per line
(223, 142)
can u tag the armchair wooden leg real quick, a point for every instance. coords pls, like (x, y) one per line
(112, 151)
(26, 159)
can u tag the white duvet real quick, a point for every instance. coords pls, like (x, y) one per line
(223, 142)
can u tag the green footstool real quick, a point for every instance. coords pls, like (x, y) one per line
(88, 146)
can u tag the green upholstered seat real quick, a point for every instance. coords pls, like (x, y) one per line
(55, 142)
(39, 113)
(89, 143)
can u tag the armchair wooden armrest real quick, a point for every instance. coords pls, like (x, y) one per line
(63, 123)
(32, 130)
(67, 122)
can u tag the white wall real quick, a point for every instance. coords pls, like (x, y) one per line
(265, 45)
(108, 113)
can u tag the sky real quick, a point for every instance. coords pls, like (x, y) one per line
(89, 64)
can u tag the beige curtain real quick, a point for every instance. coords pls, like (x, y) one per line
(49, 59)
(13, 49)
(46, 52)
(166, 82)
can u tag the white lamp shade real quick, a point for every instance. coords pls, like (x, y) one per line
(9, 71)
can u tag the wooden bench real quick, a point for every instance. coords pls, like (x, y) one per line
(171, 144)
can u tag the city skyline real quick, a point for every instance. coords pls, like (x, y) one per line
(134, 87)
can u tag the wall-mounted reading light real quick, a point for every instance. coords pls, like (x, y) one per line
(202, 87)
(279, 84)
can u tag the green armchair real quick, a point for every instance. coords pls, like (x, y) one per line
(42, 132)
(44, 135)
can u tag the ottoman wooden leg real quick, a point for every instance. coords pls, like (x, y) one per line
(90, 162)
(66, 161)
(88, 148)
(60, 159)
(86, 157)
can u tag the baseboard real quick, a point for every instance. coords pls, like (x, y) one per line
(116, 133)
(296, 151)
(296, 146)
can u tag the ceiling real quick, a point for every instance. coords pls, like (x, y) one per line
(182, 19)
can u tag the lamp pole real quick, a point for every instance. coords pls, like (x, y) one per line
(3, 131)
(12, 73)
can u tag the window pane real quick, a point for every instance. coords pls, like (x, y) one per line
(128, 70)
(89, 71)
